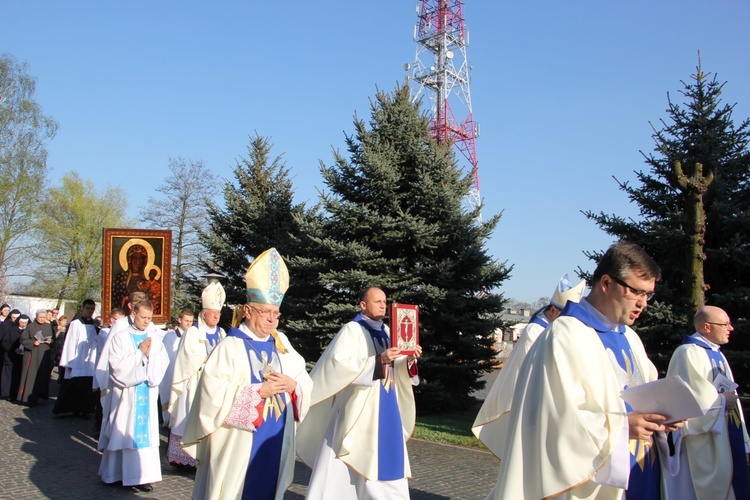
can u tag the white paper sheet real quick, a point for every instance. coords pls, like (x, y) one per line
(723, 384)
(669, 396)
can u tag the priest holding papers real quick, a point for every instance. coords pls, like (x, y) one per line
(570, 434)
(710, 459)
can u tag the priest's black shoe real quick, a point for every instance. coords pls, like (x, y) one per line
(144, 487)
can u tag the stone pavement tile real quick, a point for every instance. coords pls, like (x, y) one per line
(53, 457)
(438, 472)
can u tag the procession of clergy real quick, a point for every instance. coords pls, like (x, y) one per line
(241, 405)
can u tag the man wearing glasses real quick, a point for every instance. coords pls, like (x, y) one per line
(195, 346)
(569, 431)
(713, 448)
(254, 390)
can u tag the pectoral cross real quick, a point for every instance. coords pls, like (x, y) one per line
(266, 368)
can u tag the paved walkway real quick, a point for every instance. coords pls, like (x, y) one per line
(48, 457)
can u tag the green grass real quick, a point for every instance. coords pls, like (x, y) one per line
(449, 428)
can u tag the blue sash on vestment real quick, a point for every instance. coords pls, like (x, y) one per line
(740, 476)
(390, 429)
(263, 468)
(141, 438)
(539, 320)
(645, 476)
(213, 339)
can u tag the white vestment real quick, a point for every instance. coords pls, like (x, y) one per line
(567, 418)
(490, 425)
(339, 436)
(101, 375)
(101, 339)
(223, 451)
(79, 351)
(192, 353)
(706, 455)
(128, 367)
(171, 343)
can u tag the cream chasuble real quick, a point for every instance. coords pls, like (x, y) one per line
(490, 426)
(705, 439)
(354, 408)
(566, 416)
(223, 452)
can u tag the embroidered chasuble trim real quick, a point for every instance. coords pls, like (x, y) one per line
(141, 437)
(589, 478)
(264, 466)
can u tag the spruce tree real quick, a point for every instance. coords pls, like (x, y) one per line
(700, 137)
(393, 216)
(258, 213)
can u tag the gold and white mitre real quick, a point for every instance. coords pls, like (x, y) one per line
(267, 278)
(213, 296)
(565, 292)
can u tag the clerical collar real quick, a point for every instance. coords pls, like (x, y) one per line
(244, 329)
(377, 325)
(86, 321)
(714, 347)
(606, 322)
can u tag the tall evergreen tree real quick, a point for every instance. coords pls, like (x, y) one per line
(699, 136)
(394, 217)
(258, 213)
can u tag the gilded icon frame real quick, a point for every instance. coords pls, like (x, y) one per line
(120, 246)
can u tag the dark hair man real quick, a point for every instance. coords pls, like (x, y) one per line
(569, 431)
(78, 358)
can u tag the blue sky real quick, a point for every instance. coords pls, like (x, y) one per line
(563, 91)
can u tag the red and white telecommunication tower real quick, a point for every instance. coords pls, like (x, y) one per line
(441, 70)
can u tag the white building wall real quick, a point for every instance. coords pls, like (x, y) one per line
(30, 305)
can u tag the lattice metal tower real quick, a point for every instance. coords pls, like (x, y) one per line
(441, 67)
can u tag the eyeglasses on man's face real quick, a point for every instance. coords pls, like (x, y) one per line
(267, 313)
(727, 325)
(641, 294)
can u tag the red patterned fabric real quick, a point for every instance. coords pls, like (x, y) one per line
(176, 455)
(247, 410)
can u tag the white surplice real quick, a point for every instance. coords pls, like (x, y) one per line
(127, 367)
(79, 351)
(171, 343)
